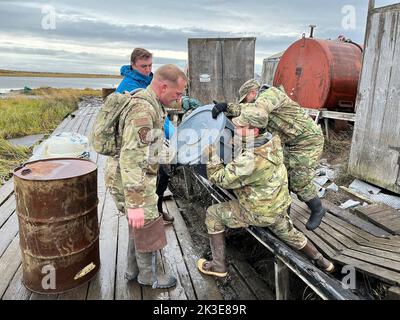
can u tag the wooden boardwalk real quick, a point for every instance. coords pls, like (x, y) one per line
(179, 256)
(349, 240)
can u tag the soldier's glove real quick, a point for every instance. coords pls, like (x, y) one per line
(218, 108)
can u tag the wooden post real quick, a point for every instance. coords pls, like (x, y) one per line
(327, 128)
(281, 280)
(371, 5)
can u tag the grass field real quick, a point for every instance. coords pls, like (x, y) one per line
(11, 73)
(21, 116)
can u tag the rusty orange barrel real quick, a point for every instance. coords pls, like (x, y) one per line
(58, 224)
(321, 73)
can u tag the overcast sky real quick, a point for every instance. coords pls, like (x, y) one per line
(98, 36)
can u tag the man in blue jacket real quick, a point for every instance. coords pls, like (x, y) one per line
(138, 74)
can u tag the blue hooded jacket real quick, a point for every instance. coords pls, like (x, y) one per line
(133, 80)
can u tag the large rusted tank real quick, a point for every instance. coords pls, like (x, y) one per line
(321, 73)
(58, 225)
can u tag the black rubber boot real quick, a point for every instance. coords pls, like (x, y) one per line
(168, 219)
(317, 213)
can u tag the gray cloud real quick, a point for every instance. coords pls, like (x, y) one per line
(160, 25)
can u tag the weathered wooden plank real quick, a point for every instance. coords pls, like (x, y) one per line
(9, 263)
(339, 232)
(204, 286)
(382, 219)
(282, 286)
(175, 264)
(8, 232)
(386, 275)
(326, 243)
(374, 155)
(342, 238)
(223, 59)
(361, 233)
(372, 208)
(103, 285)
(5, 191)
(124, 290)
(7, 209)
(16, 290)
(353, 193)
(354, 220)
(379, 261)
(393, 293)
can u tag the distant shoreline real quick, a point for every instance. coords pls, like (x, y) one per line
(10, 73)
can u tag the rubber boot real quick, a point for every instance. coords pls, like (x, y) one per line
(149, 274)
(316, 257)
(168, 219)
(317, 213)
(288, 210)
(132, 269)
(216, 267)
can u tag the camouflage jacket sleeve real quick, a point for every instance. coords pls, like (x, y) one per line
(267, 101)
(137, 140)
(235, 174)
(233, 110)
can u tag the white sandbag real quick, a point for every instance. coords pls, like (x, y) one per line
(63, 145)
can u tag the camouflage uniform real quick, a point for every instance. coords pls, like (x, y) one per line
(131, 176)
(302, 138)
(258, 178)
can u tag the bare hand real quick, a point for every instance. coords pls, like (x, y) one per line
(136, 218)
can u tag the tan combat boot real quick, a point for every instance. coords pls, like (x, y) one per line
(217, 266)
(312, 252)
(148, 273)
(132, 269)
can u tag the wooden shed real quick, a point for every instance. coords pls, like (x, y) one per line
(269, 67)
(375, 150)
(219, 66)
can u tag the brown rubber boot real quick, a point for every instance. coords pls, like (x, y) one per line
(312, 252)
(168, 219)
(132, 269)
(217, 266)
(149, 274)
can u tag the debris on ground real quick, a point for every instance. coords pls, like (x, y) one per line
(349, 204)
(375, 194)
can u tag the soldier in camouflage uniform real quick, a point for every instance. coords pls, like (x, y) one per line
(131, 175)
(259, 180)
(302, 138)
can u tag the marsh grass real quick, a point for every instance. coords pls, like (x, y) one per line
(21, 116)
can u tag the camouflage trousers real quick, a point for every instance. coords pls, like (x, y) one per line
(113, 181)
(232, 215)
(301, 162)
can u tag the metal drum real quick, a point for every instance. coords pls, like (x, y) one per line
(58, 225)
(321, 73)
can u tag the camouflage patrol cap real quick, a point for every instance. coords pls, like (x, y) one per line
(251, 116)
(247, 87)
